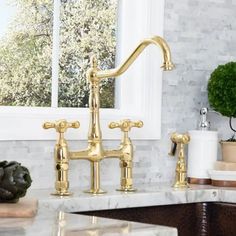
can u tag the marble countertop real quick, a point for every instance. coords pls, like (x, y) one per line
(54, 216)
(64, 224)
(147, 195)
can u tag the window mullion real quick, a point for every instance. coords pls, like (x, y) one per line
(55, 53)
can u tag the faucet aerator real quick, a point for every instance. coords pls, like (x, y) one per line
(167, 66)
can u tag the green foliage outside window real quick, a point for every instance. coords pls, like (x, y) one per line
(87, 28)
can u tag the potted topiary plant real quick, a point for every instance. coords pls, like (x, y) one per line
(222, 98)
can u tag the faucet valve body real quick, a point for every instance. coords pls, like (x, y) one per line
(61, 169)
(126, 179)
(61, 155)
(126, 159)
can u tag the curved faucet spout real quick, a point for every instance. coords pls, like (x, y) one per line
(157, 40)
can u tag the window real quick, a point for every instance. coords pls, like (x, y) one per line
(71, 30)
(25, 49)
(137, 94)
(86, 28)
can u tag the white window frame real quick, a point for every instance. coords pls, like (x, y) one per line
(139, 89)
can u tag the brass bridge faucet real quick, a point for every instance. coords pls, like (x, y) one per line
(178, 142)
(95, 151)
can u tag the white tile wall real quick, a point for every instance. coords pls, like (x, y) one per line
(201, 34)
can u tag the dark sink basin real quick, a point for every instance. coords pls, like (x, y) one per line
(196, 219)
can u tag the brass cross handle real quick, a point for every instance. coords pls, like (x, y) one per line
(126, 125)
(61, 125)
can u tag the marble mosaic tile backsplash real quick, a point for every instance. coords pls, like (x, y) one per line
(149, 166)
(201, 34)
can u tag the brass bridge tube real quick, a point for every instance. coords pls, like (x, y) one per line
(95, 178)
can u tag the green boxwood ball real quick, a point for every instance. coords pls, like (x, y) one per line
(222, 89)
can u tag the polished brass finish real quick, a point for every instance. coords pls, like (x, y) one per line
(156, 40)
(95, 178)
(181, 169)
(126, 148)
(61, 155)
(95, 151)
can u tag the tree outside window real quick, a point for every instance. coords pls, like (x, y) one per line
(87, 28)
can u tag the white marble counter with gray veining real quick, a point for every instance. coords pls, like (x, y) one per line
(147, 195)
(53, 216)
(64, 224)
